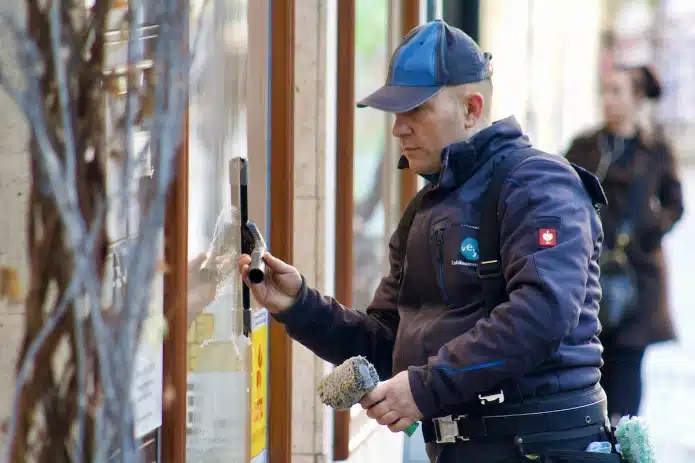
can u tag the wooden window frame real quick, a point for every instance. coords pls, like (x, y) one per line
(281, 194)
(410, 17)
(345, 207)
(282, 20)
(173, 443)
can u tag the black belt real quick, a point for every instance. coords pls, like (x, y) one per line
(450, 429)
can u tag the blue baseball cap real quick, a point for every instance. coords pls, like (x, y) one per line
(432, 56)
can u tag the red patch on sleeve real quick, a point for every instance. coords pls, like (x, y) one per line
(547, 237)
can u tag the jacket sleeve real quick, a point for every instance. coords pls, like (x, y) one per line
(670, 193)
(546, 285)
(670, 200)
(336, 333)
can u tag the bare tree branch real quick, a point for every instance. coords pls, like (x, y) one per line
(86, 410)
(28, 366)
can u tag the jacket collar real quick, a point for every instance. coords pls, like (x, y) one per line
(646, 138)
(462, 159)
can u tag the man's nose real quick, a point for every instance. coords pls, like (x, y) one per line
(400, 126)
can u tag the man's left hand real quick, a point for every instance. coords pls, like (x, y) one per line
(392, 403)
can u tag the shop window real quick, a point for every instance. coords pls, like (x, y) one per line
(371, 169)
(371, 131)
(217, 347)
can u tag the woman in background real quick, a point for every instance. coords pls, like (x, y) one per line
(639, 176)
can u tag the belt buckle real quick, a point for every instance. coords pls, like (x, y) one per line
(486, 399)
(446, 429)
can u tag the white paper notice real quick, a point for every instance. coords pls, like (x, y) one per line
(148, 376)
(147, 389)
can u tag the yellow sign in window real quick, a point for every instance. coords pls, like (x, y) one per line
(207, 355)
(259, 382)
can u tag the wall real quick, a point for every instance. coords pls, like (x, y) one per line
(545, 58)
(14, 188)
(310, 420)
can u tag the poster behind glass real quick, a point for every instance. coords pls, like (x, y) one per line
(218, 352)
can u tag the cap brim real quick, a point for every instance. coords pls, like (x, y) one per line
(398, 98)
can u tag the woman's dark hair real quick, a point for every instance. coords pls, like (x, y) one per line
(645, 81)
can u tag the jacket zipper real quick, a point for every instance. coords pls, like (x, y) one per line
(440, 260)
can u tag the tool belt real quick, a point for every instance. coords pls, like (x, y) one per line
(513, 416)
(451, 429)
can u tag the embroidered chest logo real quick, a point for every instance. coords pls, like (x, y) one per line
(547, 237)
(469, 249)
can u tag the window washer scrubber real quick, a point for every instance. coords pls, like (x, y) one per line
(348, 383)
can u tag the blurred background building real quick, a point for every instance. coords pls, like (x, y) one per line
(347, 195)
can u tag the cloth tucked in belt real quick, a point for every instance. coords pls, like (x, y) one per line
(546, 414)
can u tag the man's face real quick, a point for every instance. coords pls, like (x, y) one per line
(426, 130)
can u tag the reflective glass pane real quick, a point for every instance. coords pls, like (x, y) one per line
(371, 130)
(371, 66)
(217, 398)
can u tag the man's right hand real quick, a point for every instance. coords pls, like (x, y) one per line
(279, 288)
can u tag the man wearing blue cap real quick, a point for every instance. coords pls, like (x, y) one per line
(487, 321)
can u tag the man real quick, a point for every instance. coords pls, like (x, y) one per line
(506, 383)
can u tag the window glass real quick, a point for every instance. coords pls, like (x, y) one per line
(370, 169)
(218, 351)
(371, 130)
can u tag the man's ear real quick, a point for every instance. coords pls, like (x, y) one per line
(474, 109)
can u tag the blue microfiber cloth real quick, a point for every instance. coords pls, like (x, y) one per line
(634, 445)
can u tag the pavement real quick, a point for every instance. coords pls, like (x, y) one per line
(669, 370)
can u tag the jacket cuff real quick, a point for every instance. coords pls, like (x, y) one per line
(298, 310)
(425, 399)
